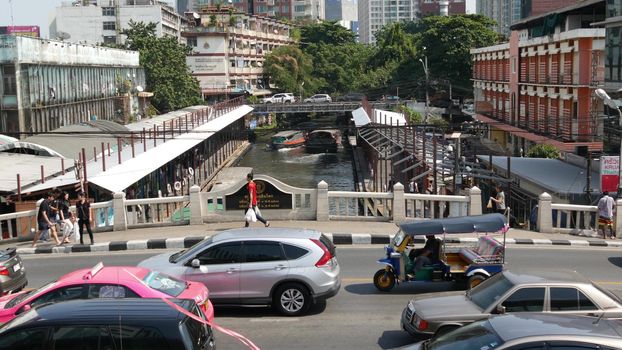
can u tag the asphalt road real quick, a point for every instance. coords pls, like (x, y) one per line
(359, 317)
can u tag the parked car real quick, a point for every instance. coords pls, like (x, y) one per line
(109, 324)
(351, 97)
(318, 98)
(286, 268)
(12, 272)
(107, 282)
(531, 332)
(564, 292)
(280, 98)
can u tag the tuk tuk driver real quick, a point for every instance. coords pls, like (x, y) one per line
(428, 254)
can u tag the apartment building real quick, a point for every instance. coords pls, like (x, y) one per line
(302, 10)
(102, 21)
(539, 87)
(229, 50)
(503, 12)
(530, 8)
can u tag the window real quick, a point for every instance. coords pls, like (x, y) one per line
(195, 333)
(226, 253)
(110, 39)
(110, 291)
(192, 41)
(60, 294)
(29, 339)
(292, 252)
(107, 11)
(78, 337)
(109, 26)
(525, 300)
(8, 80)
(137, 338)
(263, 251)
(570, 299)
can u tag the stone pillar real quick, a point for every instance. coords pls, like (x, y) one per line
(618, 222)
(120, 213)
(196, 206)
(399, 203)
(545, 213)
(322, 201)
(475, 201)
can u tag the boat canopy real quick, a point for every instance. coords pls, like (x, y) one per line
(464, 224)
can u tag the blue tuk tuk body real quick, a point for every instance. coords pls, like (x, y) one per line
(473, 264)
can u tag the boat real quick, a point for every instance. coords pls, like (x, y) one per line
(323, 140)
(287, 139)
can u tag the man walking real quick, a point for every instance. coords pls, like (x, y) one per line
(44, 222)
(605, 215)
(252, 200)
(83, 208)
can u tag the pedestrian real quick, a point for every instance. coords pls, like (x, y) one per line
(83, 208)
(252, 200)
(499, 200)
(43, 220)
(605, 215)
(66, 226)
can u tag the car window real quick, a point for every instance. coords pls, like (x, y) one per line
(570, 299)
(138, 338)
(82, 337)
(226, 253)
(60, 294)
(261, 251)
(478, 335)
(26, 339)
(525, 300)
(110, 291)
(490, 290)
(292, 252)
(195, 333)
(165, 283)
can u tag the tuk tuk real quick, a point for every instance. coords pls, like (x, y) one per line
(473, 262)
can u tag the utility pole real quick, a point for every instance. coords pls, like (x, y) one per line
(427, 80)
(117, 25)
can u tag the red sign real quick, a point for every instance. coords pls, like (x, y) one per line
(32, 31)
(609, 173)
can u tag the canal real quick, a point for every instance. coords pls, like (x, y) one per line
(295, 167)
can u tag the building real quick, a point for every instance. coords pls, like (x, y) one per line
(229, 50)
(47, 84)
(341, 10)
(530, 8)
(103, 20)
(302, 10)
(441, 7)
(539, 87)
(375, 14)
(504, 12)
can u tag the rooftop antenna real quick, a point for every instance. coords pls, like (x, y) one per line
(11, 9)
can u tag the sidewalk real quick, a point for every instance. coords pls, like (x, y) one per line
(341, 232)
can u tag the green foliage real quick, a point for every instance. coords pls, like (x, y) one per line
(212, 20)
(325, 32)
(439, 123)
(252, 99)
(543, 151)
(290, 69)
(232, 21)
(410, 114)
(164, 61)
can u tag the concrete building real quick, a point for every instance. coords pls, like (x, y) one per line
(302, 10)
(375, 14)
(229, 50)
(341, 10)
(504, 12)
(530, 8)
(47, 84)
(539, 87)
(103, 20)
(441, 7)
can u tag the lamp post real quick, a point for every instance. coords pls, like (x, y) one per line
(427, 78)
(612, 105)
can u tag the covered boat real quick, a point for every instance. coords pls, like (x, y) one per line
(323, 140)
(287, 139)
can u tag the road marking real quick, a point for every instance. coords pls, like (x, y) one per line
(608, 282)
(356, 280)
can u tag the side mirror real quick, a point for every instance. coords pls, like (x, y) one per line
(23, 309)
(500, 310)
(195, 263)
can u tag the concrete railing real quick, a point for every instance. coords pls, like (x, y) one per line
(157, 211)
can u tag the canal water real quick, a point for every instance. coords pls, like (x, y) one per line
(295, 167)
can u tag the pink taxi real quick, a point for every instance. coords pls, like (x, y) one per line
(107, 282)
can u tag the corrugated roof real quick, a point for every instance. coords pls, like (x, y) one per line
(29, 169)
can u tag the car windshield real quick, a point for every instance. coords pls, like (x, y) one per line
(18, 299)
(478, 335)
(164, 283)
(490, 290)
(185, 254)
(399, 238)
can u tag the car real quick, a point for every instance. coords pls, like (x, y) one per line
(110, 324)
(351, 97)
(551, 291)
(318, 98)
(12, 272)
(530, 332)
(392, 98)
(287, 268)
(280, 98)
(104, 282)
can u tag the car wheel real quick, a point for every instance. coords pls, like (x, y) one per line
(384, 280)
(288, 101)
(444, 330)
(292, 299)
(475, 280)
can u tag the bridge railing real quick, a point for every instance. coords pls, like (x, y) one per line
(374, 206)
(157, 211)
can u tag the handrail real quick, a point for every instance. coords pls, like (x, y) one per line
(574, 207)
(159, 200)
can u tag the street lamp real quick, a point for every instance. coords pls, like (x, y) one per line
(427, 78)
(613, 105)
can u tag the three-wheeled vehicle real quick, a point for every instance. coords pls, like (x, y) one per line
(479, 258)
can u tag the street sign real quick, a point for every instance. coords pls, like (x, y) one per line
(609, 173)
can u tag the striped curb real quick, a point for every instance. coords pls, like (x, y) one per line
(337, 238)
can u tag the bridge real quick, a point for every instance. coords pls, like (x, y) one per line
(331, 107)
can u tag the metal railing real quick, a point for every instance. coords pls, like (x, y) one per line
(301, 107)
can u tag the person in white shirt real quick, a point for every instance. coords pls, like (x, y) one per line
(605, 215)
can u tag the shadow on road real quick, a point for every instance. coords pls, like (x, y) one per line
(405, 288)
(396, 339)
(261, 311)
(617, 261)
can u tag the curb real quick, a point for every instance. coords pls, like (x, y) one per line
(337, 238)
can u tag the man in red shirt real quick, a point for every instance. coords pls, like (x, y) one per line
(252, 200)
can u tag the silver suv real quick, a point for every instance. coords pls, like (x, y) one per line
(287, 268)
(280, 98)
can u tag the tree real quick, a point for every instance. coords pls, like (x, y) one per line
(325, 32)
(164, 61)
(290, 69)
(543, 151)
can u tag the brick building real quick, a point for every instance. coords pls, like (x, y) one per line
(539, 87)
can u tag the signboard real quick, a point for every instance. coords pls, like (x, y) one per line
(207, 65)
(32, 31)
(268, 196)
(609, 173)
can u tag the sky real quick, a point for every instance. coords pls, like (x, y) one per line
(28, 12)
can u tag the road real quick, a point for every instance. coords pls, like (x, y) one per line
(359, 317)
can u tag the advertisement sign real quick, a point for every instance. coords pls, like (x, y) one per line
(32, 31)
(268, 197)
(609, 173)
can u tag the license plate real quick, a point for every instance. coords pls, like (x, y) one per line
(17, 267)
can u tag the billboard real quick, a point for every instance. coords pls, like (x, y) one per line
(609, 173)
(32, 31)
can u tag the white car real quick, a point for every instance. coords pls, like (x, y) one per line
(280, 98)
(319, 98)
